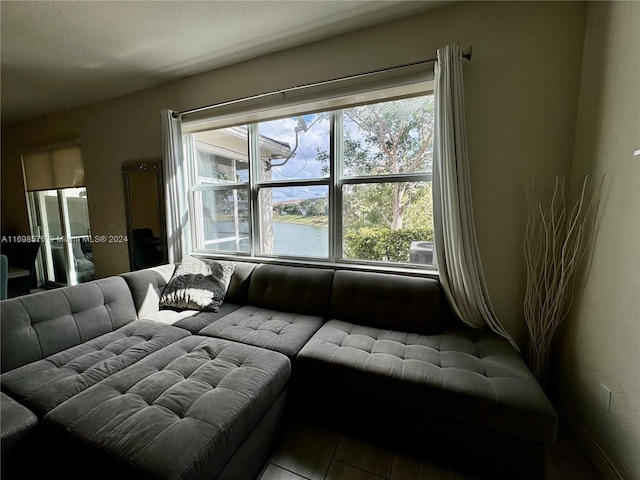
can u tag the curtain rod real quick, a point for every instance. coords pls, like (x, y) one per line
(466, 54)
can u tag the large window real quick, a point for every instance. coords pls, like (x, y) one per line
(350, 185)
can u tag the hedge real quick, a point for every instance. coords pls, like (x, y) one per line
(383, 244)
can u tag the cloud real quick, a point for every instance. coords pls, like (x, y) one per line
(282, 194)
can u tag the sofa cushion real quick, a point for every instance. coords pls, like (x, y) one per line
(38, 325)
(198, 284)
(291, 289)
(191, 320)
(147, 286)
(16, 421)
(280, 331)
(468, 376)
(181, 412)
(396, 302)
(44, 384)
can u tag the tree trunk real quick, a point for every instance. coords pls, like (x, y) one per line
(398, 207)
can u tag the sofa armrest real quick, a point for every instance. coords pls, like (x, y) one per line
(146, 287)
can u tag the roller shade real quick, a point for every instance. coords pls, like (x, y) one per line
(53, 169)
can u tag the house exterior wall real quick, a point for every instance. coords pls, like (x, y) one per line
(521, 91)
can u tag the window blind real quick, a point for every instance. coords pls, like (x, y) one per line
(53, 169)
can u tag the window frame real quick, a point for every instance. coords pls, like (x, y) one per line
(335, 182)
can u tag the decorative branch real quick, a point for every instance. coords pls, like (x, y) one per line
(555, 243)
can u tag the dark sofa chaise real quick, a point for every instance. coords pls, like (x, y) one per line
(118, 383)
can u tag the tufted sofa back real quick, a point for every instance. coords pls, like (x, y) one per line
(36, 326)
(383, 300)
(300, 290)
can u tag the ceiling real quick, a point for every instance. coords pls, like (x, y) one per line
(58, 55)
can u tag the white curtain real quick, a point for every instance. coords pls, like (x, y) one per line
(456, 246)
(175, 188)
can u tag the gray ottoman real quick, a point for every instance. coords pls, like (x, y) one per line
(16, 421)
(181, 412)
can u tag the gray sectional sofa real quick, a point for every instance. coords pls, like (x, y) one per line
(107, 383)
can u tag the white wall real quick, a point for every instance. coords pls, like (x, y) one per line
(600, 342)
(521, 93)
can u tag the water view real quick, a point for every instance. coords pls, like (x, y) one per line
(300, 240)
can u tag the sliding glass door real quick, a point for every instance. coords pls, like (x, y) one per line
(60, 221)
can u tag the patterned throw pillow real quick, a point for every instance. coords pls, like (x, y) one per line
(198, 284)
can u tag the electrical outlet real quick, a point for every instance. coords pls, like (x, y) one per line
(605, 397)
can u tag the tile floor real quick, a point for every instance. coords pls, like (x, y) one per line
(312, 452)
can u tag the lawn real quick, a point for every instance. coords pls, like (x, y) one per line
(319, 221)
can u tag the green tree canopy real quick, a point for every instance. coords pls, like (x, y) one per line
(387, 138)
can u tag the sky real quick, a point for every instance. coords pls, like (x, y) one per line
(304, 165)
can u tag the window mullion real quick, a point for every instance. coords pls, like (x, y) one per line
(401, 177)
(292, 183)
(335, 188)
(189, 154)
(254, 179)
(218, 186)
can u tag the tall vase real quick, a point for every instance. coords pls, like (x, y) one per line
(539, 353)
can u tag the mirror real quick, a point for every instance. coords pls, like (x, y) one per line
(146, 231)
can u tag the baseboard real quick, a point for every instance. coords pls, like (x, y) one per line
(588, 444)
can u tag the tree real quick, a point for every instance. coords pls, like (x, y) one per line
(381, 220)
(318, 207)
(390, 138)
(386, 138)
